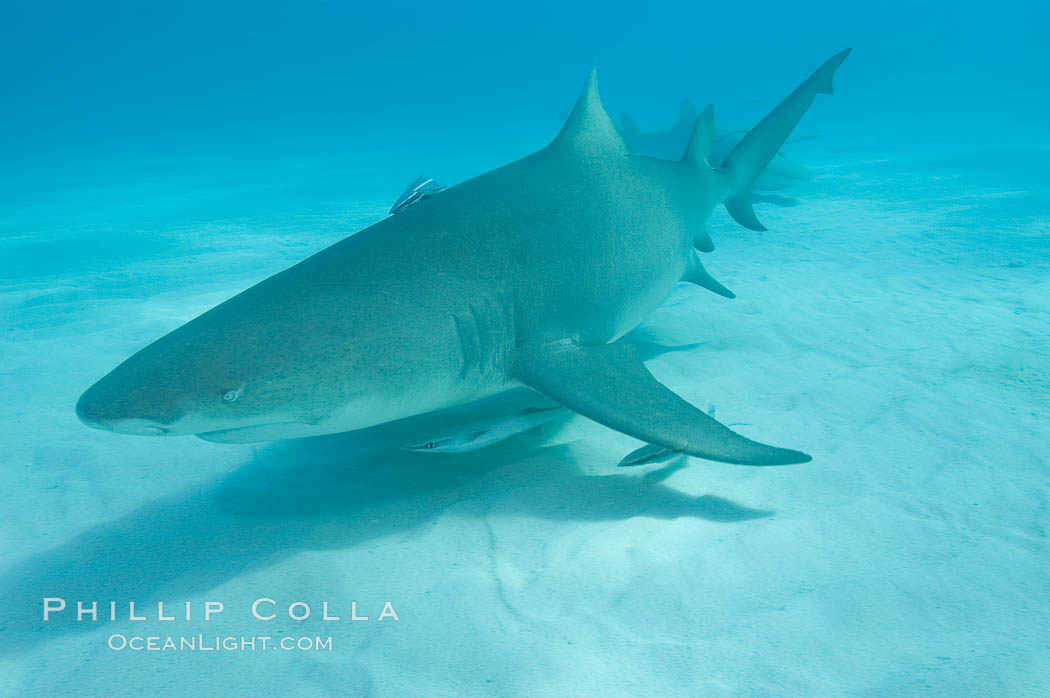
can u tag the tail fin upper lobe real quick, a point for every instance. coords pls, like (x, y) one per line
(755, 150)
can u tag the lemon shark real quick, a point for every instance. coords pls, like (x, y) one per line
(668, 143)
(521, 277)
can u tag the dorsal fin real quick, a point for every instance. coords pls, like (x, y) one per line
(701, 146)
(589, 128)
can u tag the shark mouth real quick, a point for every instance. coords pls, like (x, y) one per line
(271, 431)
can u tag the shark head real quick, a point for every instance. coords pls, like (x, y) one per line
(203, 377)
(279, 360)
(157, 393)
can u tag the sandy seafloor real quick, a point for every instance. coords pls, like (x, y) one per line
(895, 324)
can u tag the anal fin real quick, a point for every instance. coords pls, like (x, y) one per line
(609, 384)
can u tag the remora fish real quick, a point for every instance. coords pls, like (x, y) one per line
(522, 276)
(474, 436)
(422, 188)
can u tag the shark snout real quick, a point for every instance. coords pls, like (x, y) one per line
(99, 411)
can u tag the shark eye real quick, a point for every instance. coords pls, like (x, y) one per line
(231, 395)
(430, 444)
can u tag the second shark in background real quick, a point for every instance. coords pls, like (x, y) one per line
(669, 144)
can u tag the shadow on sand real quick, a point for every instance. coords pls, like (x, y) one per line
(329, 492)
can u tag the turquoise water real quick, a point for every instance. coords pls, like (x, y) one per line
(894, 322)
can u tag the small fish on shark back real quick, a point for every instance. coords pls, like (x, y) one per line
(422, 188)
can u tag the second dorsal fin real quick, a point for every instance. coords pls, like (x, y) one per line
(701, 146)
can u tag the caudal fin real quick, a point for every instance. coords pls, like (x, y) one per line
(749, 158)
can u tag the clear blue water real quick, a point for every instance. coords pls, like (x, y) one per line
(894, 322)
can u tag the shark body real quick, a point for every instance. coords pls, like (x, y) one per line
(523, 276)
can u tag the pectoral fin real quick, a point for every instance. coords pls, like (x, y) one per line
(609, 384)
